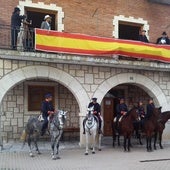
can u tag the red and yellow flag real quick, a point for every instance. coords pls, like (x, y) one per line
(60, 42)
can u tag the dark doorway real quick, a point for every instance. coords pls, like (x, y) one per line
(129, 32)
(37, 16)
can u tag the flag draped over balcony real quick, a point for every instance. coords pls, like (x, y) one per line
(61, 42)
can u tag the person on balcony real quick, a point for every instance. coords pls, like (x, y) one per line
(163, 39)
(16, 20)
(46, 24)
(142, 37)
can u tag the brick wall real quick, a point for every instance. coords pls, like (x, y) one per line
(95, 17)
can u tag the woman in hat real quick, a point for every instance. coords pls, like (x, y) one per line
(16, 20)
(46, 23)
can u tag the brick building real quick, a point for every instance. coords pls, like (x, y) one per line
(74, 79)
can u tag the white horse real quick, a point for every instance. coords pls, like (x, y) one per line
(91, 130)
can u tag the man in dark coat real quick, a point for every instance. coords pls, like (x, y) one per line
(141, 110)
(163, 39)
(142, 37)
(16, 20)
(46, 109)
(96, 112)
(150, 107)
(121, 110)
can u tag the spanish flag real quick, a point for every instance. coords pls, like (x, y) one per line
(61, 42)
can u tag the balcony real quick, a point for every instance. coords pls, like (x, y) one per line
(26, 52)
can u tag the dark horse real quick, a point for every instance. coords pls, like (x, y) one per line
(126, 128)
(33, 130)
(163, 118)
(150, 126)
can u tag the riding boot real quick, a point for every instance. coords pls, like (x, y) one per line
(84, 126)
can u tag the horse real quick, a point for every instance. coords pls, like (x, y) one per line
(149, 127)
(126, 128)
(33, 130)
(163, 118)
(91, 129)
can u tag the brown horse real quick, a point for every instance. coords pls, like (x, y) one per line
(150, 126)
(126, 127)
(163, 118)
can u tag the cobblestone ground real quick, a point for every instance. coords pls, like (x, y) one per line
(12, 157)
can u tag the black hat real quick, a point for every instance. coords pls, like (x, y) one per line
(164, 33)
(16, 9)
(143, 30)
(94, 98)
(48, 95)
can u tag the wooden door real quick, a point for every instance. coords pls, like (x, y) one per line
(108, 116)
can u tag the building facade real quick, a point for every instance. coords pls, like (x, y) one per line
(73, 79)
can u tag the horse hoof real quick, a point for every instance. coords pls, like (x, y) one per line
(31, 155)
(54, 157)
(161, 147)
(141, 143)
(100, 149)
(86, 153)
(58, 157)
(93, 152)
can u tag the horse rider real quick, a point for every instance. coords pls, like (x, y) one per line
(141, 110)
(96, 112)
(47, 109)
(121, 110)
(149, 108)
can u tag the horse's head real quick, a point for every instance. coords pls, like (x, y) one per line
(134, 113)
(90, 114)
(61, 116)
(157, 112)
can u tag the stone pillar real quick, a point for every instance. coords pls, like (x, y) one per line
(82, 136)
(1, 144)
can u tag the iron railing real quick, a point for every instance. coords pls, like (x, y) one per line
(16, 38)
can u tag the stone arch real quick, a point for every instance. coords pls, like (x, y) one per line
(29, 72)
(141, 81)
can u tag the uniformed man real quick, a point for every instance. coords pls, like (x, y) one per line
(149, 108)
(121, 110)
(47, 109)
(96, 112)
(141, 110)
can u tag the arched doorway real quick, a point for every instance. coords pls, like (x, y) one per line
(17, 80)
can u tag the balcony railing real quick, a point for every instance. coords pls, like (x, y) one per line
(17, 39)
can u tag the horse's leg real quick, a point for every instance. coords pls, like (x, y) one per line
(140, 142)
(36, 145)
(29, 144)
(87, 143)
(160, 139)
(129, 144)
(155, 140)
(53, 146)
(100, 138)
(150, 143)
(147, 143)
(124, 144)
(118, 139)
(57, 144)
(94, 142)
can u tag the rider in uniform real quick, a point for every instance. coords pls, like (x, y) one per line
(96, 112)
(141, 110)
(121, 110)
(149, 108)
(46, 109)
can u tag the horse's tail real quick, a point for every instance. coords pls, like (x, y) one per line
(23, 137)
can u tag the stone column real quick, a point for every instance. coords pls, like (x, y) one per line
(1, 144)
(82, 136)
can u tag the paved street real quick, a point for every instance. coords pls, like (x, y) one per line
(12, 157)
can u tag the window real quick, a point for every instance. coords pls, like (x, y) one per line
(129, 31)
(36, 95)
